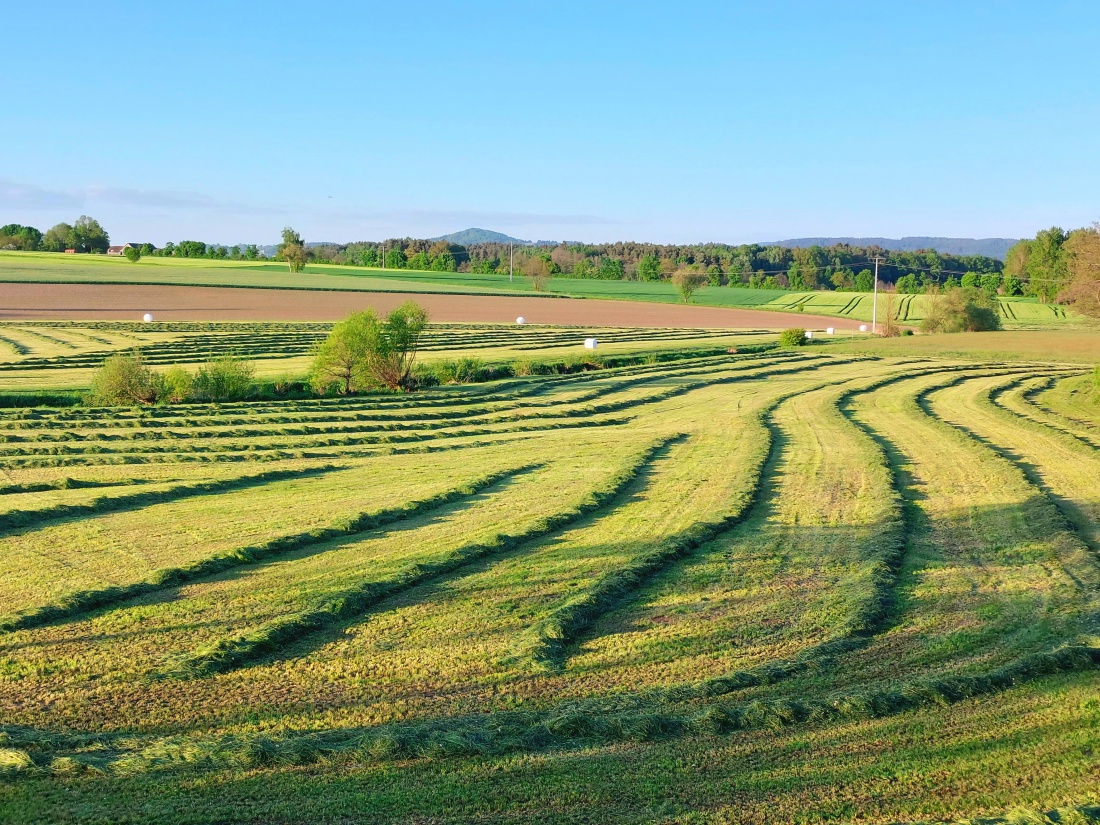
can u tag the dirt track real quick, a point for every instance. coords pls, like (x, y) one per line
(114, 302)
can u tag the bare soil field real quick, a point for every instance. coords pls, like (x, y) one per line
(114, 302)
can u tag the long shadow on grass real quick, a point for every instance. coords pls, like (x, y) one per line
(552, 640)
(352, 526)
(351, 604)
(20, 520)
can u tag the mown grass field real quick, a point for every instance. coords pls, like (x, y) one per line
(809, 585)
(1016, 313)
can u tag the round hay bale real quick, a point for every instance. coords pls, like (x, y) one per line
(862, 327)
(829, 330)
(521, 320)
(589, 343)
(147, 317)
(809, 333)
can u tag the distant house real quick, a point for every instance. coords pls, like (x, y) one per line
(121, 250)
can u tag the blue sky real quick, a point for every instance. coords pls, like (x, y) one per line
(670, 122)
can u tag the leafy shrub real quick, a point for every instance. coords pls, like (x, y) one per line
(132, 253)
(460, 370)
(227, 378)
(524, 367)
(179, 385)
(966, 309)
(794, 337)
(124, 380)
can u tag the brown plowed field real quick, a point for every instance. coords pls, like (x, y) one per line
(116, 302)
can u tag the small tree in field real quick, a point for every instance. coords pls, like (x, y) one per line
(293, 250)
(688, 282)
(133, 254)
(123, 380)
(794, 337)
(538, 272)
(364, 351)
(889, 325)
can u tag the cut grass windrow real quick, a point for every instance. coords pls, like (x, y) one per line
(1017, 398)
(84, 601)
(24, 519)
(350, 603)
(545, 644)
(1059, 483)
(516, 732)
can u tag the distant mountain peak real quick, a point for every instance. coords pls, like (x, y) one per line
(475, 235)
(990, 247)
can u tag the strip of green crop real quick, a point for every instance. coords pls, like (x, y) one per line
(84, 601)
(348, 604)
(24, 519)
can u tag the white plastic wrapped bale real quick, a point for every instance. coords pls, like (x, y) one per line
(862, 327)
(829, 330)
(809, 333)
(521, 320)
(147, 317)
(589, 343)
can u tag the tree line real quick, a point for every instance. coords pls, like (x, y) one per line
(840, 267)
(1055, 265)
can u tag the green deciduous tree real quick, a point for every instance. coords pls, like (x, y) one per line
(293, 250)
(132, 253)
(649, 268)
(1083, 267)
(364, 352)
(89, 236)
(688, 281)
(1046, 264)
(17, 236)
(58, 238)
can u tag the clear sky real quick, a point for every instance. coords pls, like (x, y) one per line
(597, 121)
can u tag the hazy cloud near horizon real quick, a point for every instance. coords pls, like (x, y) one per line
(130, 212)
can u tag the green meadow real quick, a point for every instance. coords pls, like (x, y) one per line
(847, 582)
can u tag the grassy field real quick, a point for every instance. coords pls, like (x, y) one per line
(842, 583)
(1016, 313)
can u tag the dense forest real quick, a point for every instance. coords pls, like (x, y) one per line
(840, 267)
(1051, 266)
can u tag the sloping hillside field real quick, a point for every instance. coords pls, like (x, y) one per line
(772, 586)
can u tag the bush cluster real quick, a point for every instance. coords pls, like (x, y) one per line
(966, 309)
(125, 379)
(794, 337)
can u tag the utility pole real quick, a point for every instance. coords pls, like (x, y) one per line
(874, 304)
(509, 262)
